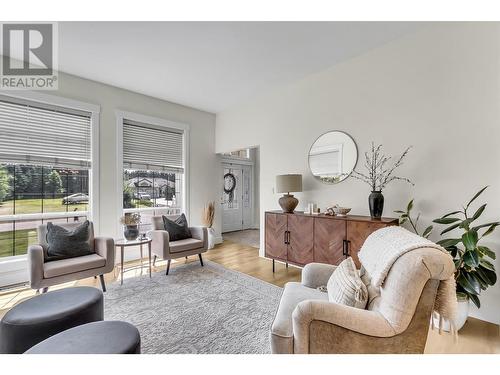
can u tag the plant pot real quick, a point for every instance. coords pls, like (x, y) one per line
(376, 203)
(462, 315)
(211, 238)
(131, 232)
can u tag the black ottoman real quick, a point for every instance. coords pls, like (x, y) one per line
(108, 337)
(45, 315)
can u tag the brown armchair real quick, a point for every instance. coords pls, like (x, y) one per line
(45, 274)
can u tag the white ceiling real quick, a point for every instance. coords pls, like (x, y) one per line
(213, 65)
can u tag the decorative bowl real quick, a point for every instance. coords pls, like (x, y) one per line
(341, 211)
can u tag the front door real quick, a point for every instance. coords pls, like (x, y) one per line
(236, 198)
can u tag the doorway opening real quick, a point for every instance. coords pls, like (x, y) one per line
(239, 200)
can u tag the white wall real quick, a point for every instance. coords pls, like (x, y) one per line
(256, 186)
(202, 162)
(437, 90)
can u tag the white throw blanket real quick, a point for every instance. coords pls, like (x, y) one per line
(384, 246)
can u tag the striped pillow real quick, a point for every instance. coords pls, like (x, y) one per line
(346, 287)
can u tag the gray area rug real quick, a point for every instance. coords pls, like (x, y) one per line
(196, 310)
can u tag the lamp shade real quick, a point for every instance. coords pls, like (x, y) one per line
(286, 183)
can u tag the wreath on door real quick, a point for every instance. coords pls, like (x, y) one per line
(229, 185)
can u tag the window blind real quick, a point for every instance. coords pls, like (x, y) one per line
(147, 147)
(37, 134)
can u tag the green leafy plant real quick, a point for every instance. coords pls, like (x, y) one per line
(405, 217)
(474, 272)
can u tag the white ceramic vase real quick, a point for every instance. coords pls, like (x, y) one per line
(462, 315)
(211, 238)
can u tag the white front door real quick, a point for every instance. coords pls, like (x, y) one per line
(236, 198)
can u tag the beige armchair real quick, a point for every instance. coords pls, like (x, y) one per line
(163, 248)
(396, 319)
(45, 274)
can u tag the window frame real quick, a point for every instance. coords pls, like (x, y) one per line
(121, 115)
(71, 104)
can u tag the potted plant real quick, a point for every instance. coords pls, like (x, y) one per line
(130, 222)
(208, 221)
(474, 271)
(379, 174)
(405, 217)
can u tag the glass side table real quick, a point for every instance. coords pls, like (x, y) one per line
(122, 244)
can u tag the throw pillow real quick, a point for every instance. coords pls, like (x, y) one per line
(177, 229)
(64, 243)
(346, 287)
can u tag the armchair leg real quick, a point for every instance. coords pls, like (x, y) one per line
(45, 290)
(103, 284)
(168, 267)
(201, 259)
(154, 260)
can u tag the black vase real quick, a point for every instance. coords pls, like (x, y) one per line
(376, 202)
(131, 232)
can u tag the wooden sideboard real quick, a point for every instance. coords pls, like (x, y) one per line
(300, 238)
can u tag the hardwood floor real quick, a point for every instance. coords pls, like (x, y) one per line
(476, 336)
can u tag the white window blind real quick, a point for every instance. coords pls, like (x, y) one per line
(37, 134)
(147, 147)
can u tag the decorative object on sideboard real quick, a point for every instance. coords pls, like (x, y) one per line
(376, 203)
(332, 157)
(229, 185)
(474, 272)
(130, 222)
(208, 221)
(341, 211)
(287, 183)
(312, 209)
(379, 175)
(329, 211)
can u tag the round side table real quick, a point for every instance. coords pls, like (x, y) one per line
(122, 244)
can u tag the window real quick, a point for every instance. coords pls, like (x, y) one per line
(153, 170)
(45, 164)
(239, 154)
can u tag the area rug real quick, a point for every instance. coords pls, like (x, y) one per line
(196, 310)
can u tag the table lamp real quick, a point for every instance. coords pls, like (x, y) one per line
(287, 183)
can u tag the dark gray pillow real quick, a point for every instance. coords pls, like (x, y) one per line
(63, 243)
(177, 229)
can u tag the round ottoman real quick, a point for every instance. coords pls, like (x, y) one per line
(45, 315)
(108, 337)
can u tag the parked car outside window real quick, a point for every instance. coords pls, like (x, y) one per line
(75, 198)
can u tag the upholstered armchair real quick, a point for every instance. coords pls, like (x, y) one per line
(45, 274)
(163, 248)
(396, 319)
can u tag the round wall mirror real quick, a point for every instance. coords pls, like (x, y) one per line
(332, 157)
